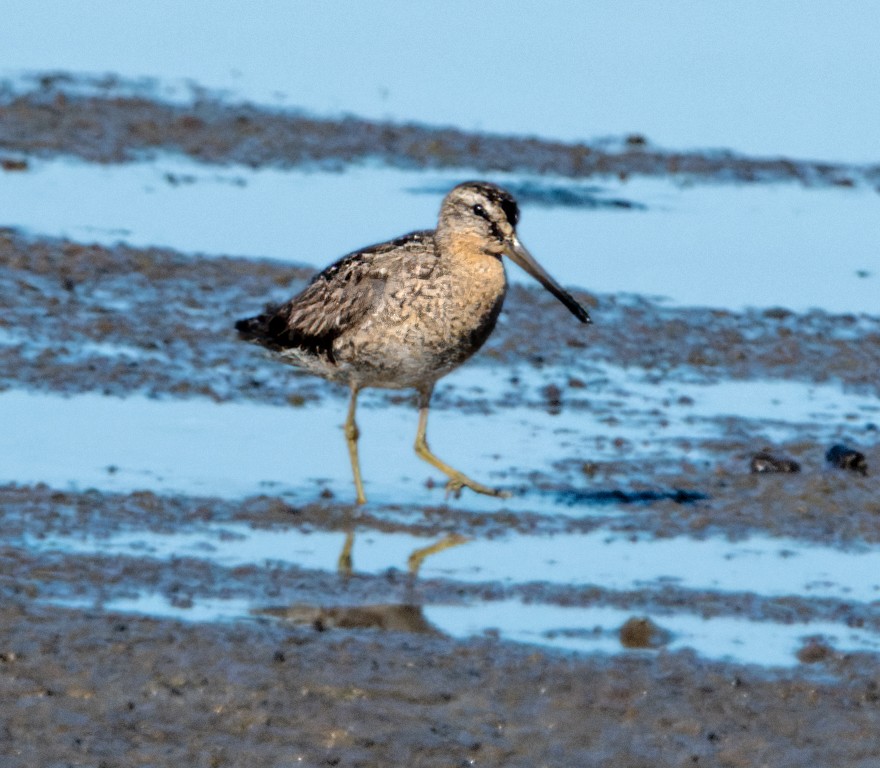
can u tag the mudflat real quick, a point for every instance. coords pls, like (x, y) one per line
(320, 667)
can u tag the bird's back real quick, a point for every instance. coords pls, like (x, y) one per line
(347, 300)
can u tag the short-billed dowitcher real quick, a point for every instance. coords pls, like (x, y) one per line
(404, 313)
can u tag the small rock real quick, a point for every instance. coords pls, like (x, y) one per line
(814, 651)
(11, 164)
(847, 458)
(641, 632)
(553, 398)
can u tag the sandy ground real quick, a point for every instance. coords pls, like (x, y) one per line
(345, 670)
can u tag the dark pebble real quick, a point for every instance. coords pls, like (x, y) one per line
(847, 458)
(641, 632)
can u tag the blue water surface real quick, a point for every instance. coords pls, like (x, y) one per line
(798, 78)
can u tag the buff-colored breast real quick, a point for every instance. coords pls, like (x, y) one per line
(432, 315)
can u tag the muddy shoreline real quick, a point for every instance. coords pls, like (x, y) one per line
(64, 300)
(119, 690)
(111, 121)
(326, 668)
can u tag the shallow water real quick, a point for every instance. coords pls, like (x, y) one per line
(603, 560)
(782, 78)
(238, 449)
(235, 450)
(584, 630)
(719, 246)
(597, 630)
(632, 496)
(764, 566)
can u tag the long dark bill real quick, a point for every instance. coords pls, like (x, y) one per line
(521, 257)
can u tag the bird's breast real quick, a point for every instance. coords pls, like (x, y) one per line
(424, 328)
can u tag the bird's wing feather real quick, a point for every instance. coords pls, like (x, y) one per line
(335, 300)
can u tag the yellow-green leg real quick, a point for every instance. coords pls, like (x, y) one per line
(415, 560)
(344, 565)
(351, 436)
(457, 480)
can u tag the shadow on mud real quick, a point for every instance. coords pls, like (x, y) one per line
(573, 498)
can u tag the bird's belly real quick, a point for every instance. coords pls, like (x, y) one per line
(412, 354)
(396, 363)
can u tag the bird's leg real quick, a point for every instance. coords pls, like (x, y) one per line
(351, 437)
(457, 480)
(415, 560)
(343, 565)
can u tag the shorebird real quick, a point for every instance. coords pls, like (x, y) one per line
(404, 313)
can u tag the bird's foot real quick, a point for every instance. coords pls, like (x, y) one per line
(453, 489)
(456, 484)
(457, 480)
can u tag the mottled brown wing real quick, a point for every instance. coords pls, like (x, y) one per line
(335, 301)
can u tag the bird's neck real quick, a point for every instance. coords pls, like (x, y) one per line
(477, 274)
(466, 248)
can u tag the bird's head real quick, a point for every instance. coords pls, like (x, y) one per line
(485, 213)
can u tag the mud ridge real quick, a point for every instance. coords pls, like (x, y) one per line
(118, 320)
(112, 124)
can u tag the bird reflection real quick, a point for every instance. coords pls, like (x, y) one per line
(414, 561)
(389, 617)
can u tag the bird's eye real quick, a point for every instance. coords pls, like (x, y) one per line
(480, 211)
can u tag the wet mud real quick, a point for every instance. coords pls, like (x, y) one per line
(102, 689)
(321, 667)
(111, 121)
(81, 317)
(348, 670)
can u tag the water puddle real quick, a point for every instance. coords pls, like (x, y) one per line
(765, 566)
(158, 606)
(346, 59)
(760, 566)
(235, 450)
(720, 246)
(597, 630)
(582, 630)
(585, 565)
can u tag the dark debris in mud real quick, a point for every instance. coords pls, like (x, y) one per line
(844, 457)
(764, 462)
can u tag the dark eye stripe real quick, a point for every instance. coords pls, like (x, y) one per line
(480, 211)
(511, 210)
